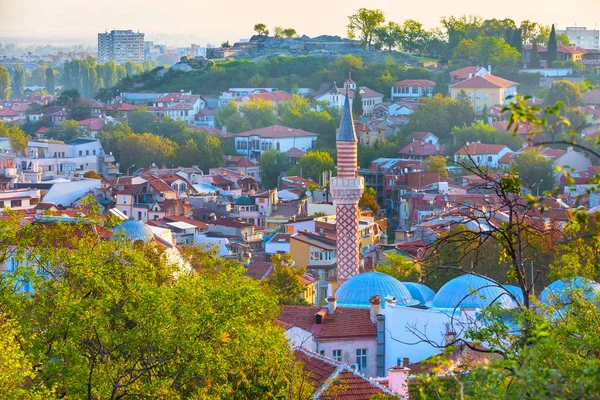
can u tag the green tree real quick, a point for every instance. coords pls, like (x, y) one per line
(37, 77)
(67, 130)
(534, 61)
(50, 81)
(132, 68)
(313, 164)
(481, 132)
(18, 81)
(535, 170)
(369, 200)
(91, 175)
(412, 36)
(564, 91)
(17, 138)
(284, 281)
(563, 39)
(363, 23)
(552, 50)
(189, 154)
(437, 164)
(400, 267)
(142, 121)
(112, 319)
(388, 35)
(261, 29)
(357, 103)
(278, 31)
(145, 149)
(223, 113)
(112, 135)
(289, 33)
(441, 83)
(258, 113)
(273, 163)
(484, 114)
(439, 115)
(4, 83)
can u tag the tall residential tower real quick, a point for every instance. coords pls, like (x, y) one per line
(120, 47)
(347, 188)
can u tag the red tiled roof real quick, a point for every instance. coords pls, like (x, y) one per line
(20, 107)
(259, 270)
(121, 107)
(7, 112)
(591, 97)
(239, 161)
(93, 124)
(561, 48)
(348, 323)
(483, 82)
(300, 316)
(43, 130)
(418, 136)
(480, 148)
(415, 82)
(522, 129)
(277, 131)
(295, 152)
(334, 380)
(463, 73)
(365, 93)
(160, 186)
(421, 149)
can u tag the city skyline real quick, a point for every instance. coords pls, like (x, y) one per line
(70, 18)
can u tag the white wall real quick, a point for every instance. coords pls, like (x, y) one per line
(349, 352)
(66, 193)
(299, 337)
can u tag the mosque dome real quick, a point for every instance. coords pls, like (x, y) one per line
(133, 230)
(471, 291)
(419, 292)
(244, 201)
(515, 291)
(558, 291)
(357, 291)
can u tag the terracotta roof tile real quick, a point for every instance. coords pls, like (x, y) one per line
(463, 73)
(416, 82)
(483, 82)
(480, 148)
(277, 131)
(347, 323)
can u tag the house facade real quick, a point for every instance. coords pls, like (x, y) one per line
(412, 89)
(484, 90)
(253, 143)
(482, 154)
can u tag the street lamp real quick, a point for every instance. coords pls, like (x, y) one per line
(538, 188)
(129, 169)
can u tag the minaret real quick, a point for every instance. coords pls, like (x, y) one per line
(347, 188)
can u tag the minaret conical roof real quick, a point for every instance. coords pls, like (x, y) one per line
(346, 132)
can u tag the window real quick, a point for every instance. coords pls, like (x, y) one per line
(322, 352)
(337, 355)
(478, 96)
(33, 202)
(87, 152)
(361, 359)
(1, 203)
(80, 152)
(94, 152)
(415, 90)
(15, 203)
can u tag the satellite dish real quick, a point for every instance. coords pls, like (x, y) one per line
(308, 193)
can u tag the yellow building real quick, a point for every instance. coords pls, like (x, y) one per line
(484, 90)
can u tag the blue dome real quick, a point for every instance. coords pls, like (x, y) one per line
(419, 292)
(133, 230)
(471, 291)
(558, 291)
(244, 201)
(515, 291)
(357, 291)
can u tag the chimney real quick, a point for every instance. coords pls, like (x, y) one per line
(398, 380)
(223, 128)
(470, 75)
(570, 148)
(449, 338)
(489, 69)
(437, 147)
(331, 304)
(390, 300)
(405, 362)
(375, 307)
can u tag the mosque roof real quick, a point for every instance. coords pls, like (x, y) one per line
(515, 291)
(419, 292)
(558, 291)
(471, 291)
(244, 201)
(133, 230)
(356, 291)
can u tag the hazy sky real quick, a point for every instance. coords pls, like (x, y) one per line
(218, 20)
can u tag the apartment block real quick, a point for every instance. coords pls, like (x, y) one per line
(121, 46)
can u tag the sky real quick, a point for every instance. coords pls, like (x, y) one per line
(216, 21)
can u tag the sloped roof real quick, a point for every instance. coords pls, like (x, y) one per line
(480, 148)
(463, 73)
(421, 149)
(7, 112)
(415, 82)
(276, 131)
(487, 81)
(335, 380)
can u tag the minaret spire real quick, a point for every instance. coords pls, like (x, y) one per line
(347, 188)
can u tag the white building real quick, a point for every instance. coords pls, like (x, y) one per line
(51, 158)
(582, 37)
(234, 93)
(121, 46)
(178, 106)
(412, 89)
(335, 96)
(253, 143)
(482, 154)
(19, 199)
